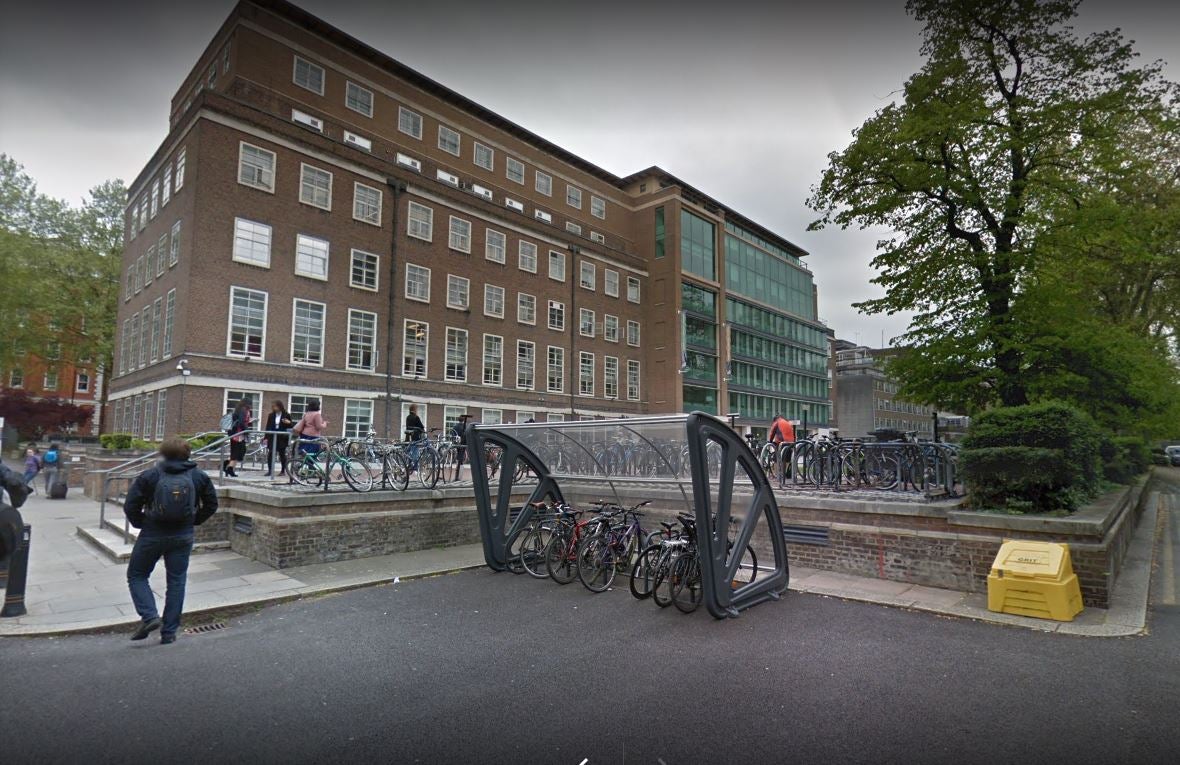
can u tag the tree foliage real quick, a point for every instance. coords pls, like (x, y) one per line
(34, 418)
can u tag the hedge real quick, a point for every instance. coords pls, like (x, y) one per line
(1124, 457)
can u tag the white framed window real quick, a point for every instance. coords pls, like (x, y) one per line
(610, 377)
(359, 99)
(417, 283)
(16, 377)
(129, 286)
(256, 168)
(252, 242)
(585, 322)
(459, 237)
(149, 265)
(633, 333)
(495, 245)
(308, 75)
(598, 207)
(448, 140)
(169, 322)
(554, 417)
(523, 416)
(493, 301)
(610, 328)
(297, 405)
(451, 417)
(588, 275)
(415, 338)
(166, 186)
(420, 222)
(610, 282)
(484, 156)
(514, 170)
(544, 184)
(555, 370)
(138, 274)
(557, 266)
(358, 417)
(162, 255)
(528, 257)
(363, 272)
(174, 245)
(307, 332)
(157, 335)
(526, 364)
(180, 170)
(573, 196)
(366, 204)
(155, 208)
(573, 228)
(161, 413)
(633, 289)
(82, 382)
(409, 122)
(149, 409)
(303, 118)
(597, 237)
(133, 353)
(456, 355)
(247, 322)
(362, 340)
(315, 186)
(458, 292)
(493, 360)
(585, 374)
(311, 257)
(526, 308)
(492, 416)
(556, 315)
(124, 350)
(632, 380)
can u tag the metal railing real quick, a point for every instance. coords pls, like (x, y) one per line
(823, 463)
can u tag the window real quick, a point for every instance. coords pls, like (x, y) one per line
(633, 289)
(610, 328)
(493, 416)
(528, 257)
(610, 282)
(180, 170)
(307, 333)
(137, 404)
(587, 275)
(448, 140)
(162, 255)
(552, 417)
(417, 283)
(252, 398)
(138, 274)
(585, 322)
(16, 378)
(493, 360)
(496, 244)
(526, 308)
(157, 336)
(366, 204)
(555, 370)
(451, 416)
(409, 122)
(166, 186)
(460, 235)
(573, 228)
(544, 183)
(597, 237)
(660, 231)
(49, 381)
(161, 413)
(252, 242)
(358, 417)
(362, 340)
(82, 382)
(129, 287)
(484, 157)
(515, 170)
(414, 341)
(633, 333)
(247, 322)
(526, 362)
(148, 410)
(493, 301)
(585, 374)
(610, 377)
(359, 99)
(456, 361)
(632, 380)
(256, 168)
(309, 75)
(174, 245)
(458, 292)
(155, 208)
(363, 273)
(169, 321)
(124, 346)
(598, 207)
(420, 224)
(556, 315)
(573, 196)
(522, 416)
(149, 265)
(315, 187)
(557, 265)
(311, 257)
(297, 405)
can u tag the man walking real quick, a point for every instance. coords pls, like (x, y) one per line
(164, 503)
(50, 465)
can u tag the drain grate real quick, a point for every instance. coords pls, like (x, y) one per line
(203, 628)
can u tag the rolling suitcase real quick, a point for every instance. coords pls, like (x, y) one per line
(58, 489)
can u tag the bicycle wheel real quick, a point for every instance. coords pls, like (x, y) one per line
(686, 588)
(397, 471)
(661, 586)
(306, 472)
(643, 575)
(514, 562)
(357, 474)
(560, 561)
(596, 564)
(428, 468)
(532, 552)
(747, 569)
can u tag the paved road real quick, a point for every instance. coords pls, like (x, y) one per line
(490, 668)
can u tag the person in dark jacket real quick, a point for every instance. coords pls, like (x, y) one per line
(278, 422)
(171, 541)
(243, 420)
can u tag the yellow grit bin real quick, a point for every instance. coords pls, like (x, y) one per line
(1034, 579)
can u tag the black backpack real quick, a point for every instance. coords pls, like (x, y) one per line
(175, 500)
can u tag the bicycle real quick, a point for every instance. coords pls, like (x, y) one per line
(308, 470)
(603, 554)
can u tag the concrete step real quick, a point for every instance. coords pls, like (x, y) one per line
(109, 541)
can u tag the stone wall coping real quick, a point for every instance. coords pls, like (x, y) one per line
(365, 516)
(318, 499)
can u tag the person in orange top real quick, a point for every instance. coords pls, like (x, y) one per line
(782, 431)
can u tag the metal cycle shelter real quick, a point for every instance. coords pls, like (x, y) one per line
(683, 463)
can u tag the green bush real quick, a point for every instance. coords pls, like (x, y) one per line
(198, 442)
(1124, 457)
(116, 440)
(1038, 458)
(1159, 458)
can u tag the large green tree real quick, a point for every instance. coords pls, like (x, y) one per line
(1007, 124)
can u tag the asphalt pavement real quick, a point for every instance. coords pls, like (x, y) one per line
(478, 667)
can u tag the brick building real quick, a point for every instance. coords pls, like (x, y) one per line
(866, 399)
(76, 382)
(324, 222)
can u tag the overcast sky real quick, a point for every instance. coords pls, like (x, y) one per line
(743, 99)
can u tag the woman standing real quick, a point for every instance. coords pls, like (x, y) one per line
(243, 419)
(32, 467)
(278, 422)
(310, 427)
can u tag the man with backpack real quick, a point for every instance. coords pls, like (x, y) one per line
(50, 466)
(165, 503)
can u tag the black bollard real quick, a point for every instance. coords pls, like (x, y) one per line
(18, 569)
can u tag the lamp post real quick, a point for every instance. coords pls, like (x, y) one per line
(182, 368)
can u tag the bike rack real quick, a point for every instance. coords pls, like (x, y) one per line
(717, 459)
